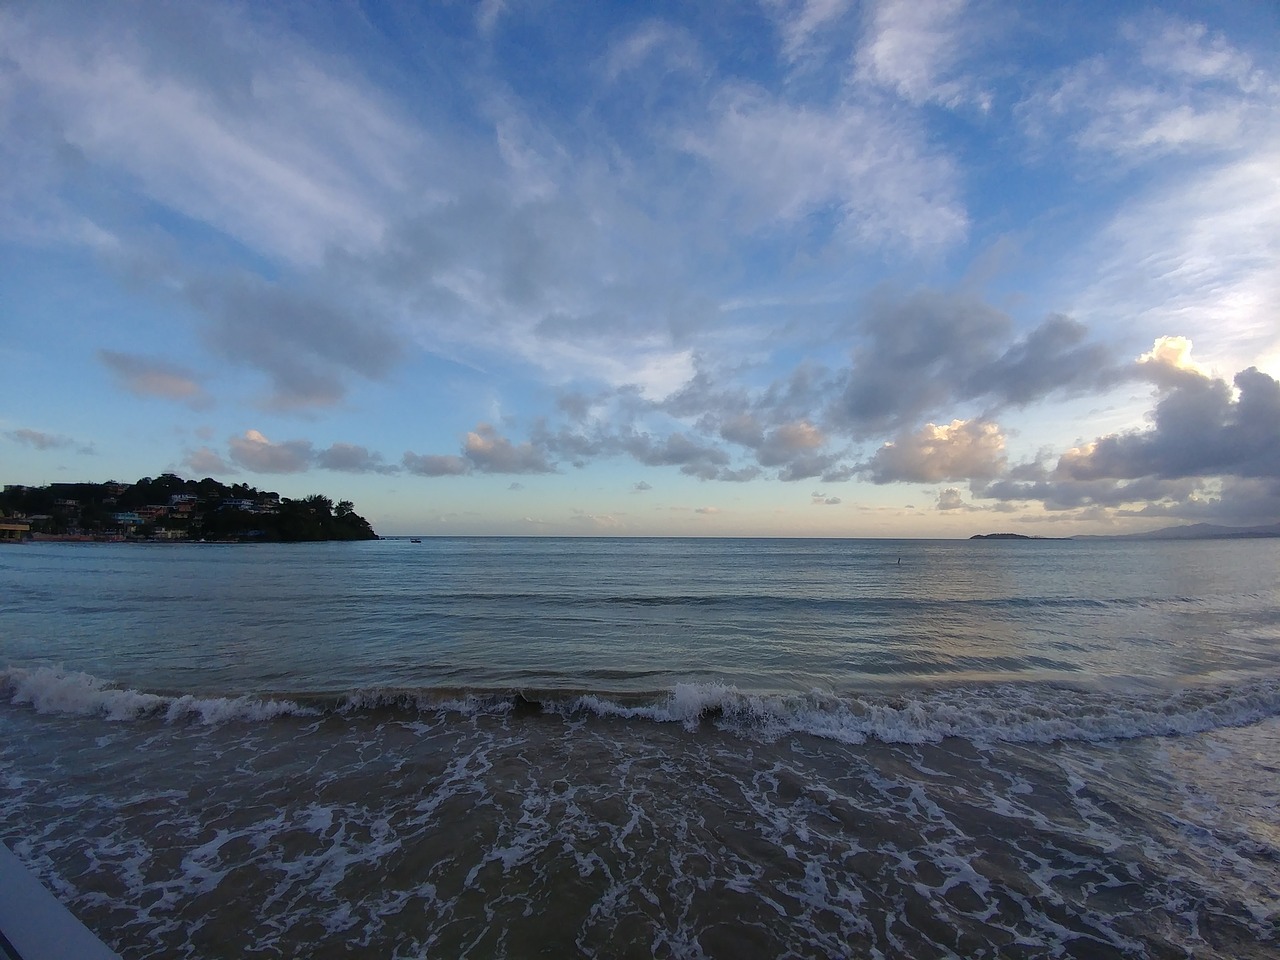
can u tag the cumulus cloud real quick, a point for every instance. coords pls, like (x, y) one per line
(253, 451)
(256, 453)
(351, 458)
(929, 349)
(961, 450)
(1199, 429)
(435, 465)
(952, 499)
(206, 462)
(696, 459)
(1212, 446)
(640, 486)
(489, 452)
(153, 377)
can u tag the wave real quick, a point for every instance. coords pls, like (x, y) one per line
(1007, 712)
(870, 604)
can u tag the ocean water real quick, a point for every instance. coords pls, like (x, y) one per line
(634, 748)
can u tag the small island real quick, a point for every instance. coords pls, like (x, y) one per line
(1010, 536)
(169, 508)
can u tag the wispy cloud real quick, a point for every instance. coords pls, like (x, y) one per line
(39, 440)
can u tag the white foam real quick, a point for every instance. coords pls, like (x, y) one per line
(55, 691)
(1016, 713)
(1009, 713)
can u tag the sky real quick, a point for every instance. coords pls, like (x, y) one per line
(791, 268)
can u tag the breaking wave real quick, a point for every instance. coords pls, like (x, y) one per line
(1008, 712)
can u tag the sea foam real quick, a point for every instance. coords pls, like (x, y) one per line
(1008, 712)
(56, 691)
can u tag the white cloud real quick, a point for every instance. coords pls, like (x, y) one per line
(299, 166)
(912, 47)
(873, 172)
(961, 450)
(800, 23)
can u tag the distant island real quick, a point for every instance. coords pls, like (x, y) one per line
(1010, 536)
(1192, 531)
(169, 508)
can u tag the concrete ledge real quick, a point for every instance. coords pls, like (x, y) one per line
(35, 925)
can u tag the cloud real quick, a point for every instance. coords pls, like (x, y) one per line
(925, 351)
(1180, 104)
(434, 465)
(205, 462)
(872, 174)
(257, 454)
(696, 459)
(1187, 91)
(807, 22)
(350, 458)
(961, 450)
(640, 486)
(153, 377)
(40, 440)
(491, 453)
(222, 135)
(951, 499)
(484, 450)
(1210, 450)
(822, 499)
(307, 346)
(910, 46)
(1199, 430)
(707, 510)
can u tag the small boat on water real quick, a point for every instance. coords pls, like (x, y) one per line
(414, 540)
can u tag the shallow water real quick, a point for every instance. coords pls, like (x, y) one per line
(636, 748)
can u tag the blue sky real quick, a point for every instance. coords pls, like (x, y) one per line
(911, 269)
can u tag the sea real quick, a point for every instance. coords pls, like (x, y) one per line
(649, 747)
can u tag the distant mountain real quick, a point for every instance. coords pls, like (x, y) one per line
(1196, 531)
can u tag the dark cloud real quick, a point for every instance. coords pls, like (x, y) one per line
(701, 460)
(1211, 453)
(257, 454)
(153, 377)
(309, 347)
(1199, 430)
(921, 353)
(435, 465)
(1053, 357)
(350, 458)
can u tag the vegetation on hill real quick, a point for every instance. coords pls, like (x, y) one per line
(171, 508)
